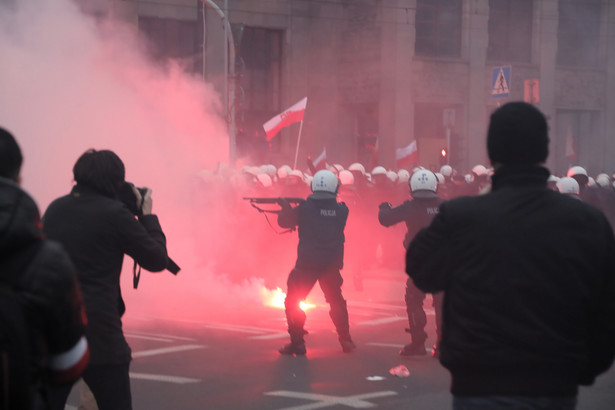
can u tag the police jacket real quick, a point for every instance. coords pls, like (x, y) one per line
(529, 282)
(417, 213)
(97, 231)
(320, 220)
(47, 285)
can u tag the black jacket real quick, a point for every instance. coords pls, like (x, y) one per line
(97, 231)
(48, 286)
(529, 282)
(321, 224)
(417, 214)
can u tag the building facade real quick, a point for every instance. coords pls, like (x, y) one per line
(380, 74)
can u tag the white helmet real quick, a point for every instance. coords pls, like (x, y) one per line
(553, 178)
(422, 182)
(264, 180)
(603, 180)
(392, 175)
(440, 177)
(403, 176)
(479, 170)
(296, 173)
(446, 170)
(568, 185)
(357, 167)
(591, 182)
(325, 181)
(580, 174)
(346, 177)
(379, 170)
(283, 171)
(576, 170)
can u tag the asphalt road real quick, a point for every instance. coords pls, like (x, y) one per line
(181, 363)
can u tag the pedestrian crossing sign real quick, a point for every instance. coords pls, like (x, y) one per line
(500, 84)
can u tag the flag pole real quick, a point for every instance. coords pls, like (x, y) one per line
(298, 141)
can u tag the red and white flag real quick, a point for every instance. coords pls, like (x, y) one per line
(407, 155)
(320, 162)
(571, 145)
(284, 119)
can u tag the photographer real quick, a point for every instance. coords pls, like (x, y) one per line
(97, 229)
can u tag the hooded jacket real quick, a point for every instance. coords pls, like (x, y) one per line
(48, 288)
(529, 282)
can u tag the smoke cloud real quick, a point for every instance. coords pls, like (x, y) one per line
(70, 83)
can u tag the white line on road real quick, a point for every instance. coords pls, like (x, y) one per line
(322, 400)
(235, 328)
(165, 350)
(163, 378)
(280, 335)
(386, 345)
(376, 305)
(132, 332)
(383, 321)
(156, 339)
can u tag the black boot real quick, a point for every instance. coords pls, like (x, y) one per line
(347, 344)
(414, 349)
(297, 349)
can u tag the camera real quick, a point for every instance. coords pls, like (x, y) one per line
(128, 197)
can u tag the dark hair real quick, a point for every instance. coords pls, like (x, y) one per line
(10, 156)
(101, 170)
(518, 134)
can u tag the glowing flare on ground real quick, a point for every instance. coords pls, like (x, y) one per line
(275, 298)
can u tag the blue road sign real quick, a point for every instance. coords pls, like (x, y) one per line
(500, 84)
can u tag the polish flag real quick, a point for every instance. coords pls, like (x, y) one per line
(284, 119)
(571, 145)
(407, 155)
(320, 162)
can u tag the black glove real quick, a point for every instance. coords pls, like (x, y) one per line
(384, 205)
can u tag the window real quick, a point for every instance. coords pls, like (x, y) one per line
(578, 32)
(510, 31)
(577, 140)
(171, 39)
(438, 28)
(259, 77)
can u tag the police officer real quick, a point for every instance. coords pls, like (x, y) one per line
(416, 213)
(321, 221)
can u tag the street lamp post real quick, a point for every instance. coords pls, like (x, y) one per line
(229, 69)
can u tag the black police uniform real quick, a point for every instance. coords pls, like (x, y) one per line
(417, 214)
(321, 221)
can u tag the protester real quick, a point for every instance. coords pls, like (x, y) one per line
(41, 276)
(97, 230)
(528, 276)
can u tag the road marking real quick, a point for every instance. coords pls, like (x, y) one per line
(156, 339)
(376, 305)
(165, 350)
(271, 336)
(323, 400)
(383, 321)
(163, 378)
(132, 332)
(385, 345)
(236, 328)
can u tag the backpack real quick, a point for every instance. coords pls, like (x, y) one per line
(15, 369)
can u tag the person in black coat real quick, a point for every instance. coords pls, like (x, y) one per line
(417, 214)
(528, 276)
(320, 256)
(44, 280)
(97, 230)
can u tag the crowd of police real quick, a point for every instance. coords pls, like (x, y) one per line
(378, 201)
